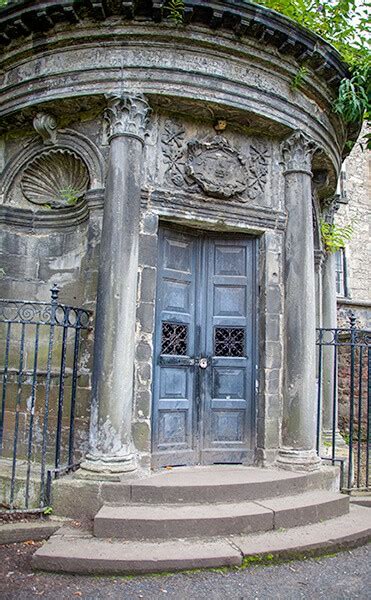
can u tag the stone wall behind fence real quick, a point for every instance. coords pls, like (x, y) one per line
(358, 255)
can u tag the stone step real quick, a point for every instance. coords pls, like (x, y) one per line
(346, 531)
(226, 483)
(140, 522)
(69, 552)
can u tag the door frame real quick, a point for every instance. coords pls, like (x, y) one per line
(199, 231)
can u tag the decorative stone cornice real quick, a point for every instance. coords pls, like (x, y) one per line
(297, 152)
(243, 18)
(46, 126)
(127, 115)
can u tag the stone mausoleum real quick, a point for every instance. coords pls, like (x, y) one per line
(196, 178)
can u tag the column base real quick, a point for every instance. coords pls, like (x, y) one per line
(326, 439)
(341, 448)
(98, 466)
(298, 460)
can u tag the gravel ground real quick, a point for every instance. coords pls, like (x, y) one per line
(343, 576)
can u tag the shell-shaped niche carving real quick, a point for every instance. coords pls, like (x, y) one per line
(57, 178)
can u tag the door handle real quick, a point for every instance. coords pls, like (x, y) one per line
(202, 363)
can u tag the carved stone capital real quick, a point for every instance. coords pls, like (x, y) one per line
(297, 151)
(127, 115)
(46, 126)
(329, 207)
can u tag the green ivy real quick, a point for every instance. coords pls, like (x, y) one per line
(299, 77)
(175, 10)
(335, 237)
(353, 99)
(346, 25)
(69, 195)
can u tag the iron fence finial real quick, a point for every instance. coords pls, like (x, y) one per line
(352, 319)
(54, 293)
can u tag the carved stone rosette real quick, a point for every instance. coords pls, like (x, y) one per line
(297, 151)
(127, 115)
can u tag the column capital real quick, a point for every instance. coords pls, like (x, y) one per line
(329, 207)
(127, 115)
(297, 151)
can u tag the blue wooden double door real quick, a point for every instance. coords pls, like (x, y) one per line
(203, 390)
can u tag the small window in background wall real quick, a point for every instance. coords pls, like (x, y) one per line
(341, 274)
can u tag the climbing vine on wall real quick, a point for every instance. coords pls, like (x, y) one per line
(335, 237)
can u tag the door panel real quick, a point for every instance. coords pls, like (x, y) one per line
(203, 382)
(227, 403)
(173, 417)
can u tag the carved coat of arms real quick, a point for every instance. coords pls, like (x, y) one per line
(212, 166)
(218, 169)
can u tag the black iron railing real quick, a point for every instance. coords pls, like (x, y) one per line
(40, 350)
(343, 406)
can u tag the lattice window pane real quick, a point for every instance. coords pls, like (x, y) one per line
(229, 341)
(174, 339)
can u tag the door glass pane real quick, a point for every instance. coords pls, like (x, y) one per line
(229, 341)
(174, 339)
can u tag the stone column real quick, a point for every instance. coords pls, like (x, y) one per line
(111, 449)
(329, 368)
(329, 321)
(299, 418)
(318, 261)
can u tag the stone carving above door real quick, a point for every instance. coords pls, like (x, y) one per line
(57, 178)
(213, 166)
(216, 167)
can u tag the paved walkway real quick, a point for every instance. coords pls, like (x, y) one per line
(346, 576)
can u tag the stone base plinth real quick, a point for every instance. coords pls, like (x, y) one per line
(298, 460)
(97, 466)
(326, 440)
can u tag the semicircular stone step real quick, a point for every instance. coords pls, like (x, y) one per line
(223, 483)
(141, 522)
(72, 552)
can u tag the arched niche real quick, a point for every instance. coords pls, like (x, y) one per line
(72, 152)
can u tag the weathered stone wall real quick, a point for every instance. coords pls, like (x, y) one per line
(357, 168)
(42, 246)
(359, 391)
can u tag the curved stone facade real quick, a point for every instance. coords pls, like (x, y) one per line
(149, 124)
